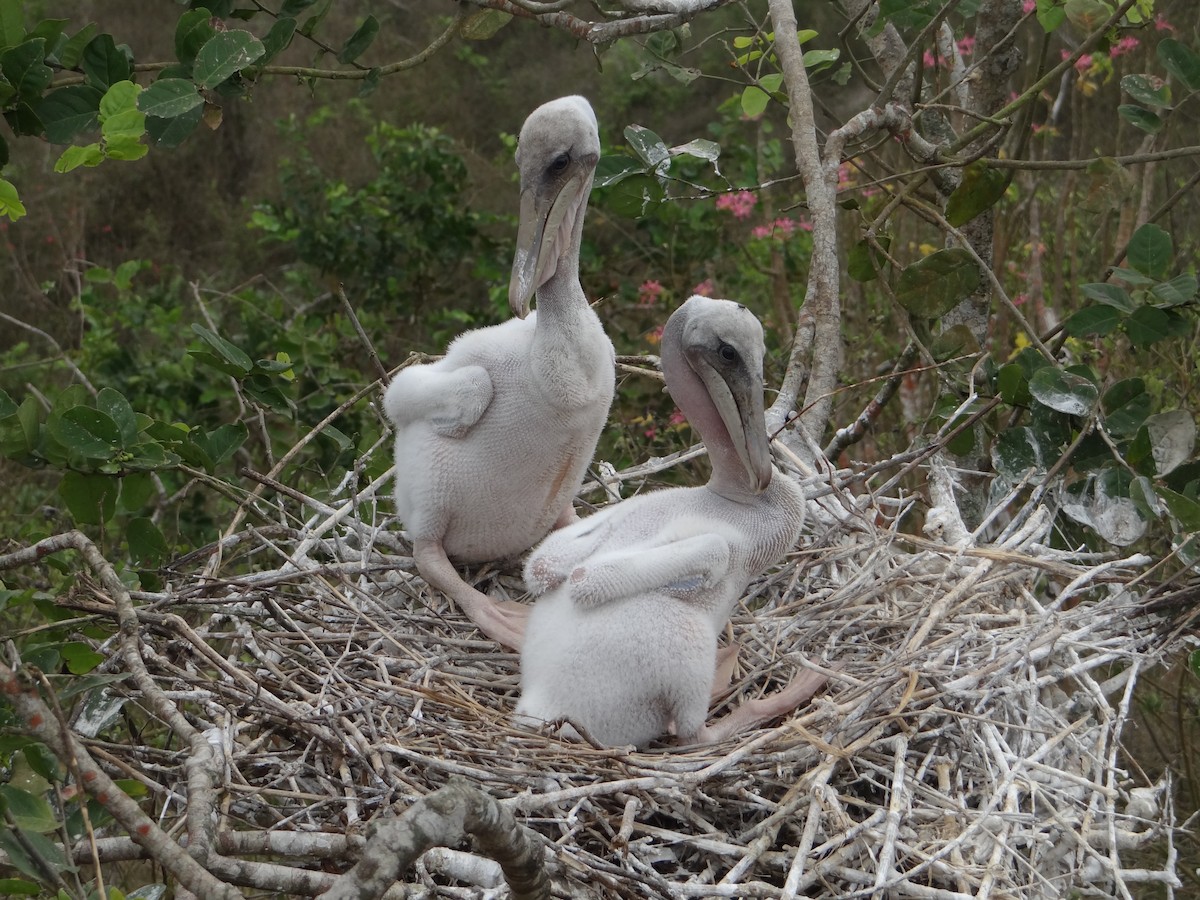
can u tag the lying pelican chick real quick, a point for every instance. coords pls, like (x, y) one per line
(623, 640)
(493, 439)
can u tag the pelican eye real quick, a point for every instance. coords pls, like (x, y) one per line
(560, 163)
(728, 353)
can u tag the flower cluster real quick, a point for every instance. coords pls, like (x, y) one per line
(740, 204)
(649, 292)
(781, 229)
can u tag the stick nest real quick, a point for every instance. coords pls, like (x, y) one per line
(968, 741)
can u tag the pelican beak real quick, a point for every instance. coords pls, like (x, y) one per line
(738, 398)
(543, 235)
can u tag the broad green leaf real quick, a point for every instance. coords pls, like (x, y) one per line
(1064, 392)
(10, 201)
(1178, 291)
(50, 30)
(820, 59)
(933, 286)
(1110, 295)
(230, 353)
(17, 887)
(483, 24)
(224, 441)
(756, 96)
(72, 52)
(1093, 320)
(635, 196)
(87, 432)
(1141, 118)
(648, 145)
(612, 169)
(29, 812)
(1149, 90)
(905, 14)
(1147, 325)
(146, 543)
(1013, 385)
(1150, 251)
(68, 111)
(1015, 452)
(864, 261)
(952, 343)
(12, 23)
(91, 499)
(1114, 513)
(173, 132)
(1130, 276)
(193, 32)
(25, 68)
(121, 97)
(295, 7)
(279, 38)
(169, 97)
(18, 852)
(104, 63)
(709, 151)
(1172, 439)
(136, 489)
(80, 657)
(1181, 61)
(359, 41)
(980, 189)
(1184, 509)
(74, 157)
(113, 403)
(1126, 407)
(224, 55)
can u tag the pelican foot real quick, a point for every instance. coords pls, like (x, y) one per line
(755, 712)
(502, 621)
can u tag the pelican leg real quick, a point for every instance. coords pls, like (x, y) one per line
(726, 663)
(681, 568)
(755, 712)
(502, 622)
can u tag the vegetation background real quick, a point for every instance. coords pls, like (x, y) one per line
(193, 291)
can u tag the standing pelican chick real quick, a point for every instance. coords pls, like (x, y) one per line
(623, 642)
(493, 439)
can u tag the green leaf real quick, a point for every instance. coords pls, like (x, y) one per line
(1147, 326)
(359, 41)
(29, 812)
(295, 7)
(1013, 385)
(91, 499)
(980, 189)
(613, 169)
(1181, 61)
(1110, 295)
(699, 148)
(193, 32)
(72, 52)
(1178, 291)
(16, 887)
(648, 145)
(146, 543)
(952, 343)
(25, 68)
(136, 489)
(230, 353)
(173, 132)
(756, 96)
(1150, 251)
(821, 59)
(1172, 439)
(1184, 509)
(933, 286)
(280, 37)
(105, 64)
(1140, 118)
(118, 409)
(10, 201)
(483, 24)
(1149, 90)
(224, 55)
(74, 157)
(1064, 392)
(635, 196)
(864, 261)
(12, 23)
(1015, 452)
(1093, 320)
(87, 432)
(68, 111)
(80, 658)
(1126, 406)
(169, 97)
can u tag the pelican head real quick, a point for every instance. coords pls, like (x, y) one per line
(712, 358)
(557, 154)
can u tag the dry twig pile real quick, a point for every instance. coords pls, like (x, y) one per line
(967, 743)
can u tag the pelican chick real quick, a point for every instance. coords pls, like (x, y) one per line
(493, 439)
(622, 641)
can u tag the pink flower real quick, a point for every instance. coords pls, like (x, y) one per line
(967, 44)
(677, 418)
(648, 293)
(1125, 45)
(760, 231)
(740, 204)
(704, 288)
(1020, 299)
(1082, 64)
(845, 176)
(1161, 24)
(928, 59)
(651, 432)
(1028, 6)
(781, 229)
